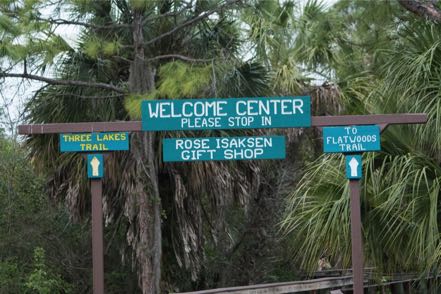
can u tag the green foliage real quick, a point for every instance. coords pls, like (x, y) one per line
(343, 42)
(288, 77)
(84, 7)
(243, 80)
(26, 36)
(41, 280)
(111, 48)
(180, 80)
(24, 217)
(8, 26)
(41, 250)
(15, 52)
(176, 80)
(317, 30)
(275, 37)
(92, 47)
(132, 104)
(139, 4)
(318, 213)
(393, 68)
(11, 279)
(95, 47)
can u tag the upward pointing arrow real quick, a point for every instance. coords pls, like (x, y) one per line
(95, 163)
(353, 164)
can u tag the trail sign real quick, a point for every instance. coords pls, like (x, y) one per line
(224, 148)
(87, 142)
(353, 167)
(351, 139)
(95, 166)
(230, 113)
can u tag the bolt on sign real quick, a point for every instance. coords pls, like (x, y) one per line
(223, 148)
(230, 113)
(351, 139)
(87, 142)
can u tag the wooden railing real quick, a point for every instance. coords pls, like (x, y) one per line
(407, 283)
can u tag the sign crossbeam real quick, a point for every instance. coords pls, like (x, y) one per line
(136, 126)
(371, 119)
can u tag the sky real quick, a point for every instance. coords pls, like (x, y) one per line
(15, 92)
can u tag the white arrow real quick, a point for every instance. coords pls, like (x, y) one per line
(95, 163)
(353, 164)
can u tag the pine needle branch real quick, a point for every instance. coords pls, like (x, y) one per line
(62, 82)
(60, 21)
(178, 56)
(191, 21)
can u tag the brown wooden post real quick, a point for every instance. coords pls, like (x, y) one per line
(356, 236)
(96, 187)
(408, 287)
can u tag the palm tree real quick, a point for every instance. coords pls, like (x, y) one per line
(401, 183)
(192, 200)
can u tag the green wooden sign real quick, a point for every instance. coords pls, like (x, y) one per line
(351, 139)
(230, 113)
(223, 148)
(87, 142)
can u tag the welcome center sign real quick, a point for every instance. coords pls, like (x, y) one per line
(226, 113)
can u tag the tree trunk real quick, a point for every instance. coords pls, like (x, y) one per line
(148, 220)
(426, 9)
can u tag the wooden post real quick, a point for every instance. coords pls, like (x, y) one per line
(356, 236)
(96, 188)
(408, 287)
